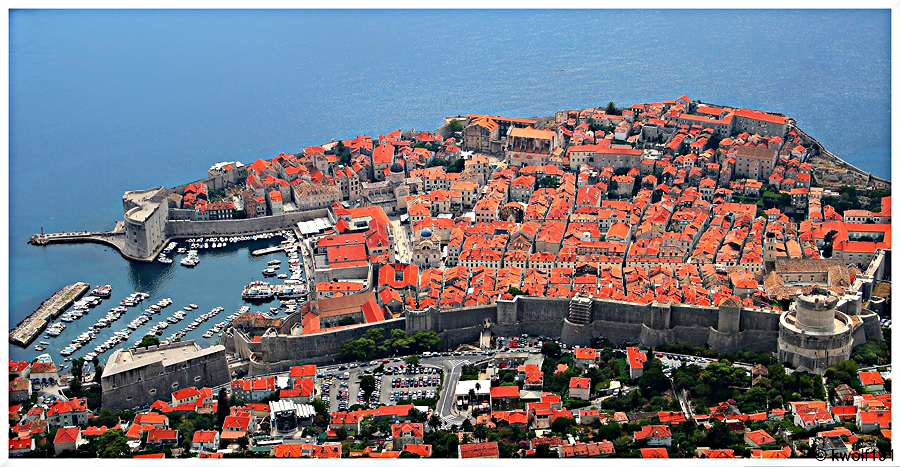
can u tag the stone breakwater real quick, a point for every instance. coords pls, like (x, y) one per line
(31, 327)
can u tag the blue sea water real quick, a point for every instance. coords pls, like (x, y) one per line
(107, 101)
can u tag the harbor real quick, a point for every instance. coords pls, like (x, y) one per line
(31, 327)
(99, 329)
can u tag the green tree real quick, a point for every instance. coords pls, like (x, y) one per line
(456, 166)
(77, 373)
(113, 443)
(434, 421)
(147, 341)
(551, 349)
(543, 451)
(223, 408)
(612, 110)
(653, 381)
(98, 370)
(454, 125)
(367, 384)
(346, 321)
(412, 360)
(426, 341)
(562, 425)
(416, 416)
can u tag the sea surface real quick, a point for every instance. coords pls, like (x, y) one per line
(102, 102)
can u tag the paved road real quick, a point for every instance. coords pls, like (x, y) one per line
(445, 403)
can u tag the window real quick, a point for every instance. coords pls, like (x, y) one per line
(152, 392)
(196, 378)
(174, 385)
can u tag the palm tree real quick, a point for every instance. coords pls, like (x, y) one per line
(480, 431)
(434, 422)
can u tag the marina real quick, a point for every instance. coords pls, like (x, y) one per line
(26, 331)
(230, 267)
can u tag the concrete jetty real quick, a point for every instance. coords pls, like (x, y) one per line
(266, 251)
(31, 327)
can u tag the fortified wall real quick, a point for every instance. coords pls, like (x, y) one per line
(137, 377)
(176, 229)
(726, 328)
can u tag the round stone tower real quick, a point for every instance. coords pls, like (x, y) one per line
(813, 335)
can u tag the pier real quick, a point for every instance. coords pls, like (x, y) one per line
(114, 238)
(266, 251)
(31, 327)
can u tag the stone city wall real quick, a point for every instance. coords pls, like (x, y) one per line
(176, 229)
(279, 352)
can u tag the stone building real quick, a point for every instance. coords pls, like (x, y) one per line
(426, 250)
(814, 336)
(756, 162)
(145, 221)
(138, 377)
(528, 146)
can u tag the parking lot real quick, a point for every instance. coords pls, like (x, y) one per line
(398, 384)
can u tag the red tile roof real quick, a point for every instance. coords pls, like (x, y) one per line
(467, 451)
(505, 391)
(654, 453)
(67, 435)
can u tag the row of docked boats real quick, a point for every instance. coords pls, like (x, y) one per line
(220, 326)
(194, 324)
(94, 330)
(80, 308)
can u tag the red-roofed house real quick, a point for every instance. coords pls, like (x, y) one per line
(205, 440)
(585, 357)
(654, 453)
(241, 421)
(758, 438)
(152, 419)
(872, 380)
(580, 388)
(67, 439)
(185, 396)
(844, 412)
(587, 450)
(656, 435)
(504, 398)
(488, 450)
(301, 371)
(326, 451)
(302, 392)
(19, 446)
(715, 453)
(871, 420)
(71, 412)
(783, 453)
(158, 437)
(671, 418)
(158, 455)
(423, 450)
(407, 433)
(636, 360)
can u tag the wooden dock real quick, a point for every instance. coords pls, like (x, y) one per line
(266, 251)
(31, 327)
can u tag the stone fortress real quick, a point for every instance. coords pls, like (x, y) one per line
(136, 377)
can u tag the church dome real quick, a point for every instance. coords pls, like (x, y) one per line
(397, 168)
(426, 233)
